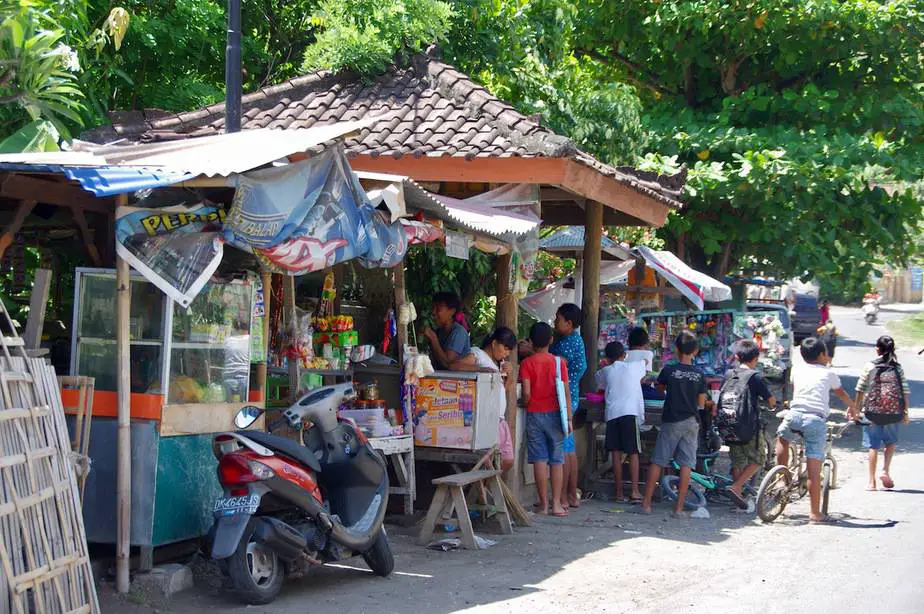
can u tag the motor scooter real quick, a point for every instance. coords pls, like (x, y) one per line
(286, 504)
(871, 307)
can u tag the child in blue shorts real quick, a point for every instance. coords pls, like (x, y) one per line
(570, 346)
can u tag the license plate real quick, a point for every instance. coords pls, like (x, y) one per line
(229, 506)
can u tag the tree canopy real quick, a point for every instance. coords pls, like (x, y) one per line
(789, 114)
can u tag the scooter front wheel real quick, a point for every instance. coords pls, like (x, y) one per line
(379, 557)
(256, 571)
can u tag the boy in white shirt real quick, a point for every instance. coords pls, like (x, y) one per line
(625, 410)
(808, 414)
(638, 348)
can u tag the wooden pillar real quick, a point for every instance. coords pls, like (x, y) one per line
(289, 319)
(123, 449)
(267, 281)
(593, 236)
(507, 315)
(400, 301)
(639, 283)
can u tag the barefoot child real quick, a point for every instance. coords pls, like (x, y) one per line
(812, 385)
(570, 346)
(620, 382)
(544, 435)
(884, 395)
(678, 437)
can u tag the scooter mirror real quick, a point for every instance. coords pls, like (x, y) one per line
(247, 416)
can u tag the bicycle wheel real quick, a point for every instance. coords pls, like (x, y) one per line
(773, 494)
(693, 500)
(825, 487)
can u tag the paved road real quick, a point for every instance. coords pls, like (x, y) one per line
(605, 558)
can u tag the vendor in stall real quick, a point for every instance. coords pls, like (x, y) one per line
(492, 357)
(450, 342)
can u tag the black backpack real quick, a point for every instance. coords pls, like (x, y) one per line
(738, 417)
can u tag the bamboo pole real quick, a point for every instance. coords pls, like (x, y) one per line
(507, 315)
(123, 450)
(593, 236)
(267, 306)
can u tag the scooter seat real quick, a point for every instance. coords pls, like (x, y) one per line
(286, 447)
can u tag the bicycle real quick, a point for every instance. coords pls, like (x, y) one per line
(779, 488)
(715, 485)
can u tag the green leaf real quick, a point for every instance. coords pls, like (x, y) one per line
(36, 136)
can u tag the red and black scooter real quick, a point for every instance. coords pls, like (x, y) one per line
(320, 502)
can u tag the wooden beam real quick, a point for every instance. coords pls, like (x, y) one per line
(573, 178)
(400, 284)
(123, 447)
(9, 233)
(560, 195)
(593, 237)
(267, 279)
(599, 187)
(53, 193)
(507, 314)
(87, 237)
(37, 304)
(288, 296)
(450, 168)
(571, 214)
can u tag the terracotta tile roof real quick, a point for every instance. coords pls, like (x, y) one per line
(437, 111)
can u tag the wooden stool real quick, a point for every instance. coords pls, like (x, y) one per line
(450, 495)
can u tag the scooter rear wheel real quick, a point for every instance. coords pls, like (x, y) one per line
(379, 557)
(256, 571)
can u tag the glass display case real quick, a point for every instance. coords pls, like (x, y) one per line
(93, 347)
(205, 349)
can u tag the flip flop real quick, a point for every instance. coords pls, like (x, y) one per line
(559, 514)
(826, 520)
(739, 501)
(887, 482)
(635, 500)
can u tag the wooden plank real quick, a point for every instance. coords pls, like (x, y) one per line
(87, 237)
(439, 501)
(593, 236)
(503, 516)
(601, 188)
(464, 479)
(37, 304)
(9, 233)
(124, 442)
(289, 302)
(201, 418)
(464, 520)
(400, 301)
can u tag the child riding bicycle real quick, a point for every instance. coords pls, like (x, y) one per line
(807, 416)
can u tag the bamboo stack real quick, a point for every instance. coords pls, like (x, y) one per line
(44, 565)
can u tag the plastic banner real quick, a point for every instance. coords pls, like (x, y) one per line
(176, 248)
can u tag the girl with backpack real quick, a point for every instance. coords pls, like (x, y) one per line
(884, 396)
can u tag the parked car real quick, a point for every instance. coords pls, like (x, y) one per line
(805, 317)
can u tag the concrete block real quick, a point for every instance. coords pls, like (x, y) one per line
(165, 580)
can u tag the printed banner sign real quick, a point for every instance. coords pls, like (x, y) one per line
(443, 417)
(175, 248)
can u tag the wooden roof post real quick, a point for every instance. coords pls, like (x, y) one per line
(507, 315)
(123, 449)
(266, 279)
(593, 237)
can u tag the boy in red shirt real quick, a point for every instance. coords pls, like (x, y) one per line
(544, 434)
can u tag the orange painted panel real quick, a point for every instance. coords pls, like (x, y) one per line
(106, 403)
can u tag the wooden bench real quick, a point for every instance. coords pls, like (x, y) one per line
(450, 497)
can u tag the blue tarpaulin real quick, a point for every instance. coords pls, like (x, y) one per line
(106, 180)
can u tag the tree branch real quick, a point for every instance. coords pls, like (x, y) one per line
(640, 76)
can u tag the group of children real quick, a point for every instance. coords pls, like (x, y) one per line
(551, 373)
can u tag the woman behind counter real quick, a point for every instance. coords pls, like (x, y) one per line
(450, 342)
(492, 357)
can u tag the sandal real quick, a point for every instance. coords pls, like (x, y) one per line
(561, 514)
(887, 481)
(739, 501)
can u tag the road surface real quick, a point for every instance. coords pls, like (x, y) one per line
(605, 558)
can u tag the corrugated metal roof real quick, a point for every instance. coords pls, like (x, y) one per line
(114, 169)
(105, 180)
(571, 239)
(477, 218)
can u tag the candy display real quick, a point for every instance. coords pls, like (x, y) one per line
(715, 331)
